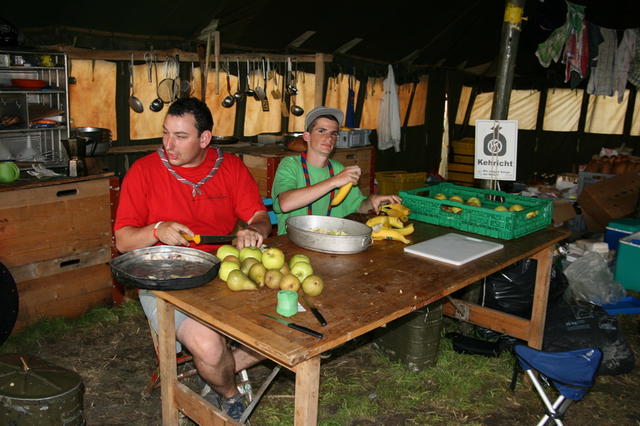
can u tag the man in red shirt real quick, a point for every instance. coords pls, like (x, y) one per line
(187, 187)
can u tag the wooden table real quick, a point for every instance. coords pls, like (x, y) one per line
(362, 292)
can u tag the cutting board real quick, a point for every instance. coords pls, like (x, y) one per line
(453, 248)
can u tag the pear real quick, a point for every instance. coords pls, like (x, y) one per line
(231, 258)
(290, 282)
(272, 278)
(285, 269)
(257, 273)
(313, 285)
(238, 281)
(247, 263)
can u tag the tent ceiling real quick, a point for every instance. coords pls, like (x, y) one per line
(452, 34)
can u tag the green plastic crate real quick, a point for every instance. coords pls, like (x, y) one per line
(482, 220)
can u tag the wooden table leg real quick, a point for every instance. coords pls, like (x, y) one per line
(167, 359)
(540, 297)
(307, 389)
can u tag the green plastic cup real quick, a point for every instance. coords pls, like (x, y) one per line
(287, 303)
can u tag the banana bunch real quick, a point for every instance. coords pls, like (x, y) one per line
(389, 228)
(396, 210)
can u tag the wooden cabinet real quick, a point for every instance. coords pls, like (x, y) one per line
(56, 240)
(263, 161)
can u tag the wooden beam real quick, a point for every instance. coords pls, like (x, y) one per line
(319, 90)
(138, 55)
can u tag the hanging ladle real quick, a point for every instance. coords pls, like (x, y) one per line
(157, 104)
(239, 95)
(228, 100)
(134, 102)
(249, 92)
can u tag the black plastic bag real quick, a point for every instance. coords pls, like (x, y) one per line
(511, 289)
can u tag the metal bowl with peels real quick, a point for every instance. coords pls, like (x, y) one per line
(328, 234)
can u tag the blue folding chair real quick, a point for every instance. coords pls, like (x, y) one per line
(572, 374)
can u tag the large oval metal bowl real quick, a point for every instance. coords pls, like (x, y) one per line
(165, 268)
(300, 230)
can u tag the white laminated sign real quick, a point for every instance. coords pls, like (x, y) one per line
(496, 149)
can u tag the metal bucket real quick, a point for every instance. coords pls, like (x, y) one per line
(36, 393)
(413, 339)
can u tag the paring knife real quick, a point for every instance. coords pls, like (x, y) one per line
(296, 327)
(316, 313)
(209, 239)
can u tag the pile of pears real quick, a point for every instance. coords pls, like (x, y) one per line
(475, 201)
(252, 268)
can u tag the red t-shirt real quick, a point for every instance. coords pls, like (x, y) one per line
(150, 193)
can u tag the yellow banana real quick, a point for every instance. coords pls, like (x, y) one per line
(396, 210)
(342, 193)
(389, 234)
(378, 220)
(407, 230)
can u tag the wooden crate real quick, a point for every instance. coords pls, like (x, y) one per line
(56, 241)
(66, 294)
(460, 167)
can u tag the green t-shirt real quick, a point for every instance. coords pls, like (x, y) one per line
(290, 175)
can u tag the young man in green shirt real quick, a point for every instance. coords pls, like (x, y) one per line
(306, 183)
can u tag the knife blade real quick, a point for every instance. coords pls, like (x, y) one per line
(316, 313)
(296, 326)
(209, 239)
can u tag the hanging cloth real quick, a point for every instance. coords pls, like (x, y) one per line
(624, 56)
(634, 66)
(350, 118)
(388, 128)
(307, 179)
(551, 49)
(195, 186)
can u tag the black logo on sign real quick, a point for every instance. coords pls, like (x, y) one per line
(495, 143)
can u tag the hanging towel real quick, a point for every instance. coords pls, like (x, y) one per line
(601, 78)
(634, 66)
(389, 115)
(624, 54)
(551, 49)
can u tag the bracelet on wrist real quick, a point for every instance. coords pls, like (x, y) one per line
(155, 230)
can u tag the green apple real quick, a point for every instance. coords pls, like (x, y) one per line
(302, 270)
(290, 282)
(247, 263)
(254, 252)
(272, 278)
(298, 258)
(273, 258)
(226, 250)
(225, 268)
(313, 285)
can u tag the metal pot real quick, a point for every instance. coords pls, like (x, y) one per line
(35, 392)
(309, 232)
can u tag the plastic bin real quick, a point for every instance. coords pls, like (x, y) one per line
(587, 178)
(353, 138)
(627, 259)
(536, 214)
(395, 181)
(620, 228)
